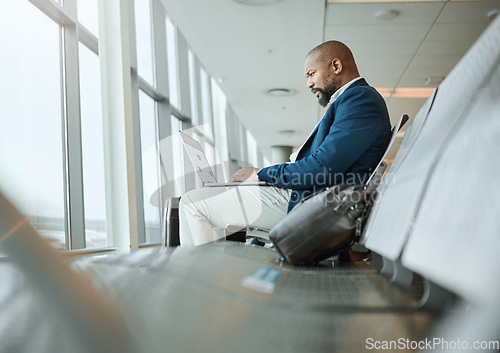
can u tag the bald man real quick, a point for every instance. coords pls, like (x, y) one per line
(344, 147)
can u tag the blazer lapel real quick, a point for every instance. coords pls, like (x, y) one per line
(309, 139)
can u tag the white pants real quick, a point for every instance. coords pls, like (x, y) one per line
(205, 213)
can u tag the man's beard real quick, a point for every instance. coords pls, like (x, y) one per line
(325, 94)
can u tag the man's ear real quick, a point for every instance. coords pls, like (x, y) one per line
(337, 66)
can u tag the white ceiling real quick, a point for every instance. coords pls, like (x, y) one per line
(251, 49)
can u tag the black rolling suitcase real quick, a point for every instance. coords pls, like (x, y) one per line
(171, 235)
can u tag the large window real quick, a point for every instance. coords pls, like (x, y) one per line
(252, 149)
(61, 105)
(51, 136)
(193, 87)
(177, 156)
(221, 114)
(88, 15)
(150, 172)
(144, 40)
(173, 70)
(206, 98)
(31, 145)
(92, 148)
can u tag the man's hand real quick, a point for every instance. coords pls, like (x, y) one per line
(248, 174)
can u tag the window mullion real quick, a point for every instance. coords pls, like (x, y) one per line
(124, 205)
(62, 16)
(150, 90)
(183, 69)
(137, 151)
(163, 124)
(141, 224)
(88, 39)
(73, 142)
(197, 71)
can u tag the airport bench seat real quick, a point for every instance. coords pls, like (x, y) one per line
(171, 302)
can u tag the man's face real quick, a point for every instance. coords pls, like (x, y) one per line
(321, 78)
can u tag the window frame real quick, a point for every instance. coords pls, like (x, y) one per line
(125, 224)
(71, 33)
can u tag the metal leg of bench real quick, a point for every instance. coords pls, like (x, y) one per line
(376, 262)
(435, 298)
(387, 270)
(402, 277)
(396, 274)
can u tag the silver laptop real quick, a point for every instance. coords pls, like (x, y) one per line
(202, 167)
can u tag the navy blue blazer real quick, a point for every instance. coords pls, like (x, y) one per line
(345, 147)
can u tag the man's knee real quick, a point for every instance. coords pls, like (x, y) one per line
(189, 198)
(185, 202)
(194, 202)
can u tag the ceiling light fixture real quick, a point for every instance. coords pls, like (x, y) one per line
(256, 2)
(406, 92)
(280, 92)
(433, 80)
(287, 132)
(371, 1)
(386, 15)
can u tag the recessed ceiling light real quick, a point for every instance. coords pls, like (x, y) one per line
(386, 15)
(256, 2)
(280, 92)
(287, 132)
(433, 80)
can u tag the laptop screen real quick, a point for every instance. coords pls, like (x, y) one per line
(198, 158)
